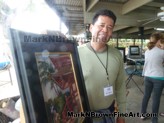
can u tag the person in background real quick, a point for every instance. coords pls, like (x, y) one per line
(103, 69)
(161, 45)
(153, 73)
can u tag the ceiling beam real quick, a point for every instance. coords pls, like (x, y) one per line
(75, 15)
(128, 20)
(91, 4)
(135, 29)
(149, 31)
(119, 27)
(131, 30)
(133, 4)
(156, 24)
(155, 4)
(73, 18)
(84, 5)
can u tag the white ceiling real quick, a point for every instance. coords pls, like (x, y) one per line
(78, 13)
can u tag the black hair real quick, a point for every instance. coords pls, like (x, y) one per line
(104, 12)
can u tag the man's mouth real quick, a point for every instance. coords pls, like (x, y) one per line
(102, 36)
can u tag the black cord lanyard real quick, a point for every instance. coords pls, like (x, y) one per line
(105, 67)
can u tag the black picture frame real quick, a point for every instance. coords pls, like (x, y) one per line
(42, 60)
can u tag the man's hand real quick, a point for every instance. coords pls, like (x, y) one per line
(120, 120)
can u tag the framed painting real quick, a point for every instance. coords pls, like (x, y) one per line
(49, 77)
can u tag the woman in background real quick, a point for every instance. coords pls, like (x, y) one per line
(153, 72)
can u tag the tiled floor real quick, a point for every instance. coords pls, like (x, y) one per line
(134, 97)
(134, 100)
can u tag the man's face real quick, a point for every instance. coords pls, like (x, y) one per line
(102, 29)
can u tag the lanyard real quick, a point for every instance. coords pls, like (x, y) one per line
(105, 67)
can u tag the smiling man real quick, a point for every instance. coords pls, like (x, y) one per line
(103, 69)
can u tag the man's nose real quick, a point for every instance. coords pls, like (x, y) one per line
(105, 29)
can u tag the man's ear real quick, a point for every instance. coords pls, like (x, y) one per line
(90, 27)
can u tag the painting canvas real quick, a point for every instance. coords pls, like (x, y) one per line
(59, 85)
(50, 77)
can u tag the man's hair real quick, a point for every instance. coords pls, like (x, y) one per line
(104, 12)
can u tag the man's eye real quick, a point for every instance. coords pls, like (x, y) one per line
(102, 25)
(110, 28)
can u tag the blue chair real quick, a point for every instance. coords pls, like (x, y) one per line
(5, 65)
(134, 70)
(139, 69)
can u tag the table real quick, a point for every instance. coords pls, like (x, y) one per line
(136, 59)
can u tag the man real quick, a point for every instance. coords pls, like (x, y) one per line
(103, 69)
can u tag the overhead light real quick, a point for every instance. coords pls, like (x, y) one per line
(159, 29)
(162, 8)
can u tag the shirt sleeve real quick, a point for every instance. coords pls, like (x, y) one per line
(121, 89)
